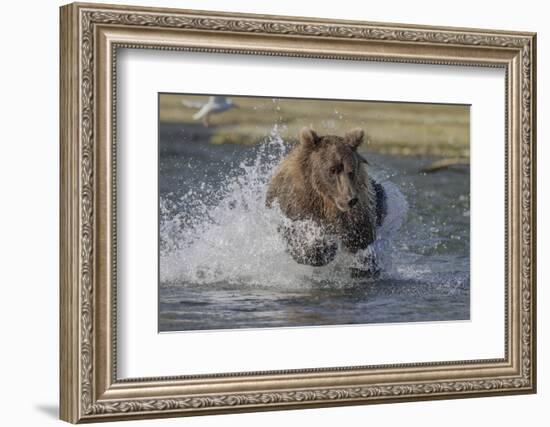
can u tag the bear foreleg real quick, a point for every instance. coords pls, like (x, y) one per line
(308, 250)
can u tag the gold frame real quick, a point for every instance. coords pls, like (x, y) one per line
(90, 36)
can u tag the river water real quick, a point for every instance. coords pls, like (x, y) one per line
(224, 266)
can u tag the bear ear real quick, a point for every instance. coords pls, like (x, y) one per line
(354, 137)
(308, 137)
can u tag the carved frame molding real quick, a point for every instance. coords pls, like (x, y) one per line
(90, 37)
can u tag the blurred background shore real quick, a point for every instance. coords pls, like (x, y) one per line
(440, 130)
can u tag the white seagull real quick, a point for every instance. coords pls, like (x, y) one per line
(214, 105)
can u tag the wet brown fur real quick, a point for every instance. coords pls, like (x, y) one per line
(306, 186)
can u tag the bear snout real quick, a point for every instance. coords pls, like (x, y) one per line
(346, 204)
(352, 202)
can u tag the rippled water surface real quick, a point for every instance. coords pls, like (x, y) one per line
(223, 264)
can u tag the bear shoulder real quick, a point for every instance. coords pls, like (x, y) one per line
(290, 186)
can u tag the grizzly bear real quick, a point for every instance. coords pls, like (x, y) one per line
(323, 189)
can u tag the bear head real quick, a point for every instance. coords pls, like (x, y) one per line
(336, 169)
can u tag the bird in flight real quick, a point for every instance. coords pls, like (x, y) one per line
(214, 105)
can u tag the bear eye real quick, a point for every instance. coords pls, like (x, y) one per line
(333, 170)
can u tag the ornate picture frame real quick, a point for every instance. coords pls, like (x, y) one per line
(90, 37)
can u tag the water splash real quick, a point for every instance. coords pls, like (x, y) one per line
(225, 235)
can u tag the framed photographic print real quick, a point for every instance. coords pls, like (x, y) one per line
(266, 212)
